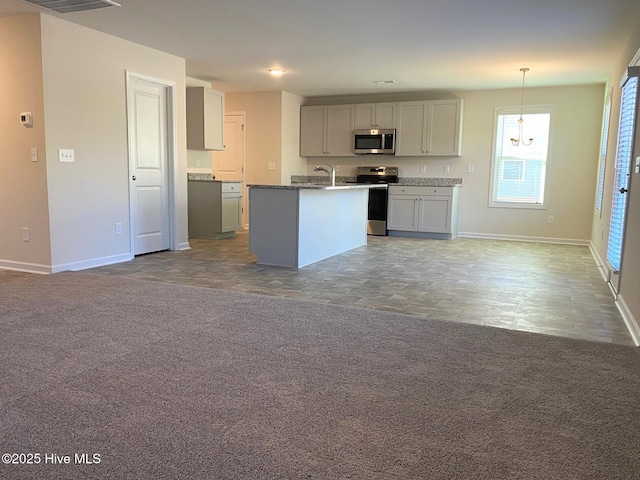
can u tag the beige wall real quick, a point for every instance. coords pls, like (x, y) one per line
(571, 171)
(264, 133)
(23, 183)
(292, 162)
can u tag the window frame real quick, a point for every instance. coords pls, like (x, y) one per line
(602, 163)
(515, 110)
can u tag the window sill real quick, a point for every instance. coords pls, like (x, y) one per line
(526, 206)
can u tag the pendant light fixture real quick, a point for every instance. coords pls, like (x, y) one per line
(520, 140)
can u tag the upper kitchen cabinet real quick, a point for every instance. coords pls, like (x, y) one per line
(205, 119)
(326, 131)
(411, 138)
(376, 115)
(429, 128)
(444, 128)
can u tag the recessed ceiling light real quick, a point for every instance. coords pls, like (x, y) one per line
(276, 71)
(382, 82)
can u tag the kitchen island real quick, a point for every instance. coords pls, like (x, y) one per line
(299, 224)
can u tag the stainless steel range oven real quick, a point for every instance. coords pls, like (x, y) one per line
(377, 217)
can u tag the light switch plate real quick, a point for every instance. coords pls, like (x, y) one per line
(66, 155)
(34, 154)
(637, 164)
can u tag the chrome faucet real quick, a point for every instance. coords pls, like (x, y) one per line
(331, 173)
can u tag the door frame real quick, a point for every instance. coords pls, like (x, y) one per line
(172, 154)
(245, 198)
(244, 203)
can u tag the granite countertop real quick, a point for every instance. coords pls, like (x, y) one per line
(207, 177)
(406, 181)
(429, 182)
(319, 186)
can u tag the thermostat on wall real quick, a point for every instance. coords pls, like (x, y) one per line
(26, 119)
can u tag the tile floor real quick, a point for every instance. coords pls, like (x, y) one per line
(543, 288)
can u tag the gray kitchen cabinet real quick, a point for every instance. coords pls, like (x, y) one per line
(427, 212)
(205, 119)
(402, 212)
(376, 115)
(214, 209)
(429, 128)
(326, 130)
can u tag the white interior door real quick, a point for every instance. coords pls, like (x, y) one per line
(230, 164)
(148, 165)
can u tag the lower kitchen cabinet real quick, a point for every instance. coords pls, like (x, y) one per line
(426, 212)
(214, 209)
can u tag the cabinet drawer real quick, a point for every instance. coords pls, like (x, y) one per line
(231, 187)
(411, 190)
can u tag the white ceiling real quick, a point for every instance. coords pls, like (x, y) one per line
(339, 47)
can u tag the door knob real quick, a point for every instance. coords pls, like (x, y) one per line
(133, 178)
(623, 190)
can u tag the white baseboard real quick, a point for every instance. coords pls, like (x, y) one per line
(184, 246)
(599, 263)
(522, 238)
(25, 267)
(92, 263)
(629, 320)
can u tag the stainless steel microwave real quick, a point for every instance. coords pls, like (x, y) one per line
(374, 141)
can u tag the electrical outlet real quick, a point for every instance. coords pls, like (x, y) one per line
(423, 169)
(25, 234)
(118, 228)
(34, 154)
(271, 165)
(447, 169)
(469, 168)
(550, 219)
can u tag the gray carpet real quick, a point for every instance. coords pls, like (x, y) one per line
(177, 382)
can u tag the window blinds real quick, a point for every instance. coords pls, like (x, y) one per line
(624, 153)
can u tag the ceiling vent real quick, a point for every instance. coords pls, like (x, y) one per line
(69, 6)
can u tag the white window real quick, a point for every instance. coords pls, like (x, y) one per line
(518, 175)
